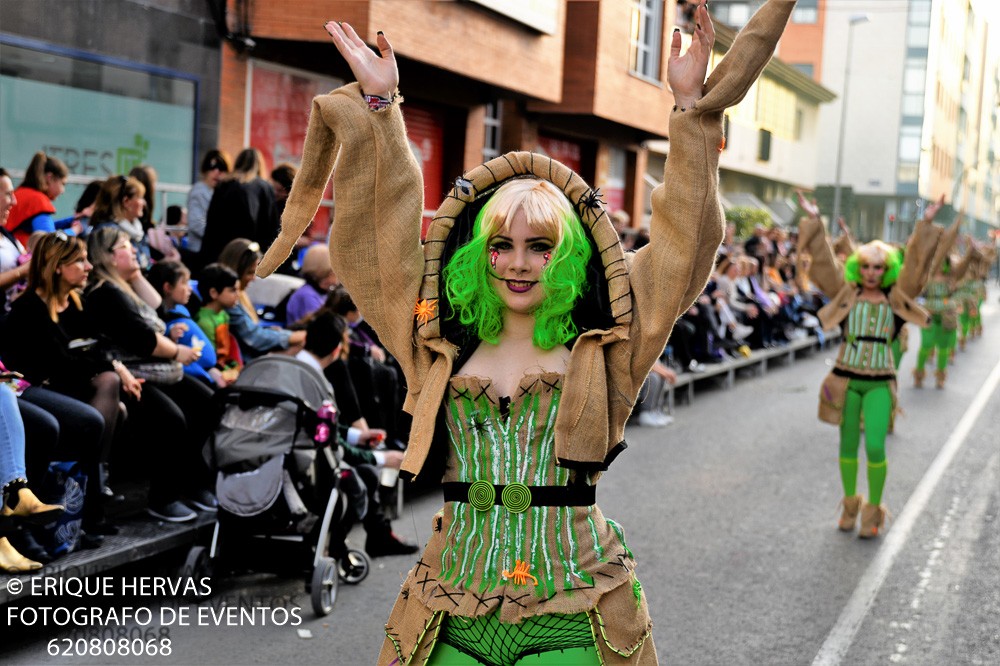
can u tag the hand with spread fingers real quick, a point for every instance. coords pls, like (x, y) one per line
(933, 208)
(810, 207)
(686, 73)
(376, 74)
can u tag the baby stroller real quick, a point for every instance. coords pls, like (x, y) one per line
(281, 488)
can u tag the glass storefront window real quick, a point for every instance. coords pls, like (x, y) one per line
(98, 115)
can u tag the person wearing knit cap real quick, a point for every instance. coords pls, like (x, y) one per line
(319, 277)
(871, 297)
(525, 334)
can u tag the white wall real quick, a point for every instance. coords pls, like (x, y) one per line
(876, 82)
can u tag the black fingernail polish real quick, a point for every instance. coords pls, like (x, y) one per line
(677, 29)
(380, 32)
(698, 25)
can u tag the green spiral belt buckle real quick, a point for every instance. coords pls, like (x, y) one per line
(482, 495)
(516, 497)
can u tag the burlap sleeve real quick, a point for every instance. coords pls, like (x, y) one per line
(961, 267)
(824, 271)
(375, 239)
(945, 244)
(917, 260)
(687, 224)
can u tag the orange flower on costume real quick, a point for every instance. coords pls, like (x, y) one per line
(520, 574)
(424, 310)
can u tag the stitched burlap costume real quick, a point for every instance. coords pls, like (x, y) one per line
(828, 276)
(376, 251)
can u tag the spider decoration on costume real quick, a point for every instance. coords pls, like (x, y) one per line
(424, 310)
(591, 200)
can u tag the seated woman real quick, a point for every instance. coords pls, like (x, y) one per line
(242, 256)
(175, 413)
(19, 503)
(50, 341)
(44, 181)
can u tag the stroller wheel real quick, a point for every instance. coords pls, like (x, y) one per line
(197, 565)
(323, 586)
(354, 566)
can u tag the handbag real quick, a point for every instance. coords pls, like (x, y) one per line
(164, 373)
(64, 483)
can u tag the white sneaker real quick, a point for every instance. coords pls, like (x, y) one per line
(665, 419)
(742, 332)
(651, 420)
(695, 367)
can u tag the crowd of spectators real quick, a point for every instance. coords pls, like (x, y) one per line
(117, 328)
(755, 299)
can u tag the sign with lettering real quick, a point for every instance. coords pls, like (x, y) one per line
(97, 134)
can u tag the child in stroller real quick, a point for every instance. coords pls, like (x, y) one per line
(282, 477)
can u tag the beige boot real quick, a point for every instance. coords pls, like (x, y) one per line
(872, 520)
(939, 377)
(849, 516)
(918, 378)
(20, 502)
(961, 344)
(12, 561)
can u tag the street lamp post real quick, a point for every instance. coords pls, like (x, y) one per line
(853, 21)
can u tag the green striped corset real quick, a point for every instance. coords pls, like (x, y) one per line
(867, 335)
(938, 296)
(563, 548)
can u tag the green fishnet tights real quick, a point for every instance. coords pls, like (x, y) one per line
(542, 640)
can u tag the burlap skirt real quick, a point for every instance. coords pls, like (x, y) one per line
(620, 622)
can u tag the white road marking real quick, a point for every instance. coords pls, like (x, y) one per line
(840, 638)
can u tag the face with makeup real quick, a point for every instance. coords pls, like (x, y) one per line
(872, 270)
(518, 255)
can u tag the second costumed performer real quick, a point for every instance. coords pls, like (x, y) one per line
(525, 334)
(871, 297)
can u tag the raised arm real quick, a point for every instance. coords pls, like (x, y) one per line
(375, 240)
(687, 224)
(823, 269)
(918, 258)
(971, 258)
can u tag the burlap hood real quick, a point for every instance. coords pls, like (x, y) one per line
(609, 308)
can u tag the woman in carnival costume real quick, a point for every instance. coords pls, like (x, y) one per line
(972, 293)
(942, 299)
(871, 297)
(525, 333)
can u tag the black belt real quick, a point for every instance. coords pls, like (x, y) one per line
(517, 497)
(868, 338)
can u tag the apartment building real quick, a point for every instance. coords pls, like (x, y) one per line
(581, 81)
(921, 110)
(772, 136)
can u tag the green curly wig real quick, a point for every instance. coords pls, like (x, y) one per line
(468, 280)
(877, 251)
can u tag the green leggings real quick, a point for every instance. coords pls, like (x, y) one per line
(542, 640)
(936, 335)
(897, 351)
(968, 321)
(874, 399)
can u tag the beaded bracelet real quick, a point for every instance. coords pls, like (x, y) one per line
(377, 102)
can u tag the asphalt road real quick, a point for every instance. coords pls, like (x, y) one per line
(731, 512)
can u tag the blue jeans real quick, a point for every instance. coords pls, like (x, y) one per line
(11, 437)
